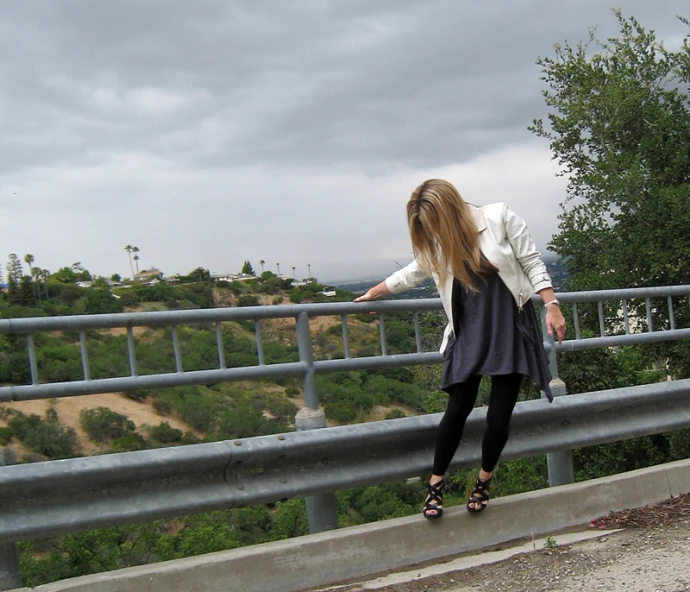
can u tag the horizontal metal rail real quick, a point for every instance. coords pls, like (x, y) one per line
(56, 497)
(307, 366)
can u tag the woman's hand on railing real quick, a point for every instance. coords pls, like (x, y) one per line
(374, 293)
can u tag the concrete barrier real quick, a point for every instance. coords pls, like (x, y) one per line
(362, 551)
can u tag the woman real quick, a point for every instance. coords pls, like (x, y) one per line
(486, 268)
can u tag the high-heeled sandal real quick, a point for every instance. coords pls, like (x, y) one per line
(479, 498)
(434, 500)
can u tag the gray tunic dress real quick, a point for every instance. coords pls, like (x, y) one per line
(493, 337)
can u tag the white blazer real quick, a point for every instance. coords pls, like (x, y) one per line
(505, 241)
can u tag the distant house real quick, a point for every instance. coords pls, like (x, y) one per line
(223, 277)
(172, 280)
(232, 277)
(84, 284)
(329, 293)
(144, 277)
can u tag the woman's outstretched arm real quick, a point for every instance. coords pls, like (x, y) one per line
(374, 293)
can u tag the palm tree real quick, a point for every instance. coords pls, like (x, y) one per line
(129, 250)
(29, 259)
(262, 262)
(135, 250)
(293, 273)
(309, 266)
(45, 274)
(278, 266)
(36, 275)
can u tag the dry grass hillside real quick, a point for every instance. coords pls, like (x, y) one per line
(68, 409)
(149, 412)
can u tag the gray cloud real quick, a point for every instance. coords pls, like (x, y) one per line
(259, 127)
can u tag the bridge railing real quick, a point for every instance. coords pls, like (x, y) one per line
(639, 331)
(61, 496)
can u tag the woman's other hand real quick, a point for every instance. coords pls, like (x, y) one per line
(555, 322)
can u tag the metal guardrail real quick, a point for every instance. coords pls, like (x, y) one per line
(57, 497)
(307, 366)
(172, 319)
(66, 495)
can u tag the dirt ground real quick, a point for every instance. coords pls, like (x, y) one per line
(651, 554)
(68, 408)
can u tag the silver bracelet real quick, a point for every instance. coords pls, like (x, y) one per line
(554, 301)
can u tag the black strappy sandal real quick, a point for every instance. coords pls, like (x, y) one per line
(480, 496)
(434, 500)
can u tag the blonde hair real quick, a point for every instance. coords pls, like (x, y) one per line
(444, 234)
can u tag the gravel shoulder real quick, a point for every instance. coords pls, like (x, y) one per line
(650, 554)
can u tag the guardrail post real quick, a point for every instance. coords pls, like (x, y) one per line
(560, 464)
(322, 513)
(10, 576)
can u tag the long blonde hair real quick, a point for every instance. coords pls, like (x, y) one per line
(444, 234)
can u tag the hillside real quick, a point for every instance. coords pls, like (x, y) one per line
(165, 417)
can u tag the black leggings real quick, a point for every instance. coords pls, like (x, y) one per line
(462, 397)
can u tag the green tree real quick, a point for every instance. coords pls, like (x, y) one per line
(247, 268)
(196, 275)
(27, 294)
(36, 275)
(45, 274)
(619, 125)
(29, 259)
(14, 276)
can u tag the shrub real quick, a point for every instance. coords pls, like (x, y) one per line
(137, 395)
(248, 300)
(395, 414)
(189, 438)
(103, 424)
(292, 392)
(162, 407)
(5, 436)
(165, 433)
(21, 425)
(129, 443)
(128, 297)
(48, 438)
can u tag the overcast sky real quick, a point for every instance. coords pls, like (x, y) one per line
(209, 132)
